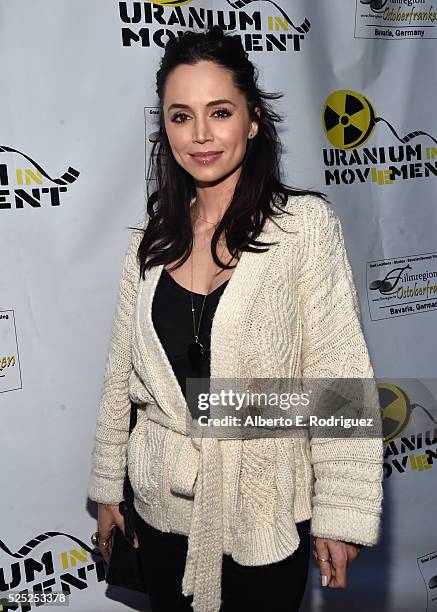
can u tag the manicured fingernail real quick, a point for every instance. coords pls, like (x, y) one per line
(324, 580)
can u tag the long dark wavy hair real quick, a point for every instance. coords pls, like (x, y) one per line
(168, 235)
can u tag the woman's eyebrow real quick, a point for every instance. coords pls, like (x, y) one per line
(212, 103)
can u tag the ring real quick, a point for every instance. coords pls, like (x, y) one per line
(95, 540)
(324, 560)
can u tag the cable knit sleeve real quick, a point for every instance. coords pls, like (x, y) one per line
(347, 495)
(112, 431)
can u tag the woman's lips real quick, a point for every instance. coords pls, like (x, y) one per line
(206, 158)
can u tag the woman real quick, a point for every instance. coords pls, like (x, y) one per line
(224, 523)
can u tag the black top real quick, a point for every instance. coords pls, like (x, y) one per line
(173, 322)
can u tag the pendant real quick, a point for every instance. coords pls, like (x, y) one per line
(195, 353)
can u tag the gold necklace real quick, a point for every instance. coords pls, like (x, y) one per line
(199, 217)
(196, 349)
(210, 222)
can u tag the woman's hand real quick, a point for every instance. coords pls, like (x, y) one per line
(109, 516)
(336, 555)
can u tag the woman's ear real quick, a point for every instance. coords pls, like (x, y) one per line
(254, 124)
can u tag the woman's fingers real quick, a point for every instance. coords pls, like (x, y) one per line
(323, 557)
(353, 551)
(333, 559)
(326, 575)
(109, 517)
(105, 547)
(339, 565)
(135, 541)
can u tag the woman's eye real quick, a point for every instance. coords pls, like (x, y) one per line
(223, 110)
(181, 117)
(177, 117)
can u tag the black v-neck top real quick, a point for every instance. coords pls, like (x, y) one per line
(173, 323)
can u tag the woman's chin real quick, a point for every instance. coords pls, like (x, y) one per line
(209, 177)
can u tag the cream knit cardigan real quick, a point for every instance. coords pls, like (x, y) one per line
(290, 312)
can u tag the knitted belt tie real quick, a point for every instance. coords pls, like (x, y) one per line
(203, 567)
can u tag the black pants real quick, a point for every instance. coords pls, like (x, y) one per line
(276, 587)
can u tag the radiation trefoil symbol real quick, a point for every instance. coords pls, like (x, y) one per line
(397, 410)
(349, 120)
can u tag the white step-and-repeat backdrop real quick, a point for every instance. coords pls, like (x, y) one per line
(77, 108)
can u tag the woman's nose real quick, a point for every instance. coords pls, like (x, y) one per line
(201, 131)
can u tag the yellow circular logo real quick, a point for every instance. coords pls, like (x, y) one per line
(396, 410)
(348, 119)
(170, 2)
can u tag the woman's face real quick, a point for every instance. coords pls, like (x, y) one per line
(203, 113)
